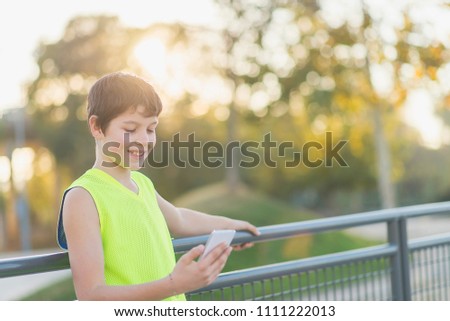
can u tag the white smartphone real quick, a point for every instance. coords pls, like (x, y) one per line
(215, 238)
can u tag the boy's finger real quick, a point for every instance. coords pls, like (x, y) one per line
(243, 246)
(254, 230)
(219, 264)
(193, 254)
(215, 253)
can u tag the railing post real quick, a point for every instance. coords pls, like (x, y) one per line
(400, 277)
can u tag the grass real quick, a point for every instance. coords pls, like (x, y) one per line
(257, 209)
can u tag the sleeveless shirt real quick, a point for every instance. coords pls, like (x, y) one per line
(136, 241)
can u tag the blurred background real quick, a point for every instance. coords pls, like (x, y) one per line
(373, 73)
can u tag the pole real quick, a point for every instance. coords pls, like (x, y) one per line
(21, 200)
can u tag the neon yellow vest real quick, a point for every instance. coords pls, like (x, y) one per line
(136, 242)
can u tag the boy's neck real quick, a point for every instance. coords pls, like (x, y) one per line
(121, 174)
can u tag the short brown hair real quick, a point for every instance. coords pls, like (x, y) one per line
(114, 93)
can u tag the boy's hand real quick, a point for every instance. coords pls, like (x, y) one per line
(244, 225)
(190, 274)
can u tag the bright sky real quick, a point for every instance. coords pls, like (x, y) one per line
(23, 23)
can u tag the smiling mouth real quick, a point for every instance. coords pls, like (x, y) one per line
(137, 153)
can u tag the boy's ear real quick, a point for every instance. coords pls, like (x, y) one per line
(96, 131)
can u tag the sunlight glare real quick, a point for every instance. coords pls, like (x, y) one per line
(22, 166)
(5, 170)
(152, 56)
(419, 113)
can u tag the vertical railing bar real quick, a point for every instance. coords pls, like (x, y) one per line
(358, 280)
(318, 283)
(423, 275)
(384, 278)
(446, 271)
(435, 273)
(366, 290)
(350, 281)
(421, 280)
(439, 275)
(396, 279)
(416, 278)
(263, 289)
(380, 277)
(332, 295)
(386, 274)
(443, 284)
(308, 288)
(300, 292)
(432, 274)
(431, 265)
(272, 288)
(343, 281)
(439, 279)
(253, 290)
(372, 276)
(419, 275)
(291, 288)
(428, 272)
(376, 284)
(333, 284)
(404, 252)
(444, 274)
(436, 269)
(400, 279)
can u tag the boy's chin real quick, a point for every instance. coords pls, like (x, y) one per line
(130, 166)
(133, 166)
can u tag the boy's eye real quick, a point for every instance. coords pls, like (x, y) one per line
(130, 130)
(150, 130)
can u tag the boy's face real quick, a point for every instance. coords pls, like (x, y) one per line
(128, 139)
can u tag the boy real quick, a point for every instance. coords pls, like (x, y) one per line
(115, 225)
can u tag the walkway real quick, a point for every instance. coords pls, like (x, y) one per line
(417, 227)
(15, 288)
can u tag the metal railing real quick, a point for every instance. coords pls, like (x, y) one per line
(399, 269)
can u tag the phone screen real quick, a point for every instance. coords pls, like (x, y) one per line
(217, 237)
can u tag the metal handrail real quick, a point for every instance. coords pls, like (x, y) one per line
(59, 261)
(267, 271)
(396, 248)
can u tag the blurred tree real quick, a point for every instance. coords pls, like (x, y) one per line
(317, 71)
(89, 48)
(279, 67)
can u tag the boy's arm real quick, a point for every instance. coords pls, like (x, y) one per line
(82, 228)
(186, 222)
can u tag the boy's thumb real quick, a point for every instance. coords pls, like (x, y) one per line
(193, 253)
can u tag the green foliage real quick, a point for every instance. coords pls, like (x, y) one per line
(279, 67)
(89, 48)
(262, 210)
